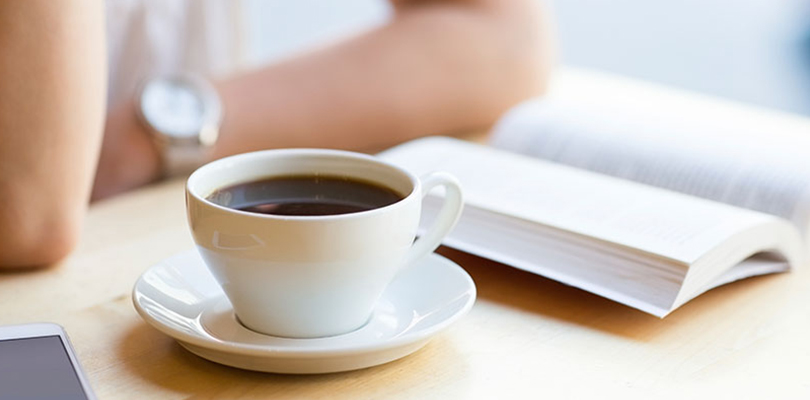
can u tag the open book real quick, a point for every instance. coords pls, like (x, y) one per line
(633, 203)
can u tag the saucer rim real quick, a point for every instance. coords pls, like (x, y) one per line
(315, 352)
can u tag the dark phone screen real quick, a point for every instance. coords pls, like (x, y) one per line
(37, 368)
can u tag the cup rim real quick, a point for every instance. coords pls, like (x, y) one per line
(222, 163)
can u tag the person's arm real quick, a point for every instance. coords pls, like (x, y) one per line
(52, 101)
(438, 67)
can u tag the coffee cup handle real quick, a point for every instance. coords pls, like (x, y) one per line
(445, 221)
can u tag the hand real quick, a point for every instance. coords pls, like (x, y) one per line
(129, 159)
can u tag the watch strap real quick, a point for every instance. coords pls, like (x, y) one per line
(182, 159)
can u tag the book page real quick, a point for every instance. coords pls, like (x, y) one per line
(637, 217)
(682, 142)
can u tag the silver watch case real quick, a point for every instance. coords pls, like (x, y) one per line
(181, 152)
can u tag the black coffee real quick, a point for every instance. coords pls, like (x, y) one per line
(305, 195)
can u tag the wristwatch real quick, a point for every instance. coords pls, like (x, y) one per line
(183, 114)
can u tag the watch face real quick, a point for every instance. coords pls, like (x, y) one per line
(173, 107)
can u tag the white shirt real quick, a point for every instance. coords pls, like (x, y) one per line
(153, 37)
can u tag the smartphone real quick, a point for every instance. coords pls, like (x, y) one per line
(38, 362)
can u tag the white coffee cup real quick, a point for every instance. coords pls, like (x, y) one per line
(312, 276)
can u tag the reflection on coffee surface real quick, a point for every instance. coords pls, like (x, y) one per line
(305, 195)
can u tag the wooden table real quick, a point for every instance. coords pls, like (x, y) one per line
(526, 337)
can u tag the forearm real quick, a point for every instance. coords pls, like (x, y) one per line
(53, 79)
(438, 67)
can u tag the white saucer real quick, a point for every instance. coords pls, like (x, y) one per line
(180, 298)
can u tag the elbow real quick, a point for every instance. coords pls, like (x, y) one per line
(36, 245)
(528, 53)
(512, 55)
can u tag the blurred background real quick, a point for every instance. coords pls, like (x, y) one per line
(755, 51)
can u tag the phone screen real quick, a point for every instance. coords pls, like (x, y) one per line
(37, 368)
